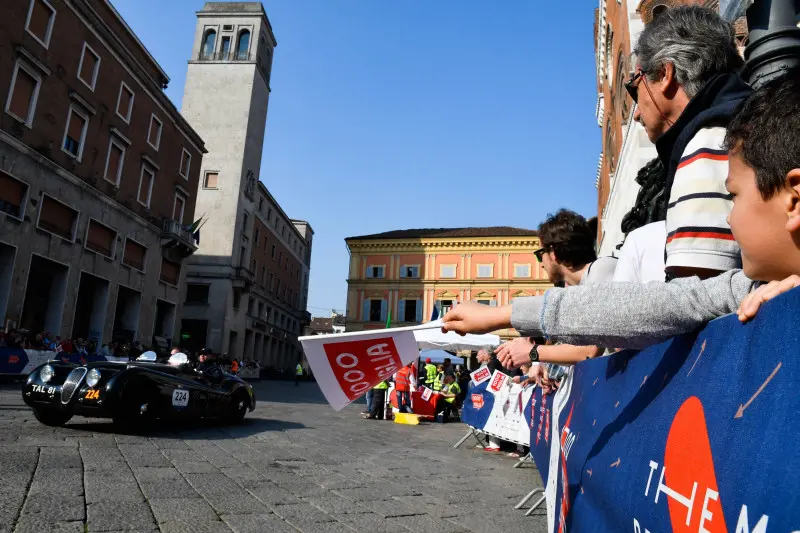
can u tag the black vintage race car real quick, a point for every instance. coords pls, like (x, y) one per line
(133, 393)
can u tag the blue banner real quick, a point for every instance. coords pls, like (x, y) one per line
(697, 434)
(478, 404)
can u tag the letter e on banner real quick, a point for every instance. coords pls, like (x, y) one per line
(360, 365)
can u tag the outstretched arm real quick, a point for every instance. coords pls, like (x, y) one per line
(623, 315)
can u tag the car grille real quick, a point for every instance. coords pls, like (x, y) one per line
(73, 380)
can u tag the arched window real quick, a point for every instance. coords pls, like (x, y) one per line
(610, 146)
(243, 45)
(209, 42)
(620, 94)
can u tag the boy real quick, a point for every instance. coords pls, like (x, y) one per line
(764, 183)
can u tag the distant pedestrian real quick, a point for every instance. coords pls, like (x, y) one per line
(403, 381)
(298, 373)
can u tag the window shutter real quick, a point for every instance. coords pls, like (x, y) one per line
(383, 310)
(75, 127)
(402, 271)
(365, 315)
(24, 86)
(415, 272)
(419, 311)
(401, 311)
(87, 69)
(493, 303)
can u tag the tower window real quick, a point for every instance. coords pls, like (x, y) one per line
(209, 42)
(243, 46)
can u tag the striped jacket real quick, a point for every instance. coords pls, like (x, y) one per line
(698, 234)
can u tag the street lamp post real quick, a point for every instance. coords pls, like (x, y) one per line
(774, 40)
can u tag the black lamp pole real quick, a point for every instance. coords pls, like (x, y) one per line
(774, 41)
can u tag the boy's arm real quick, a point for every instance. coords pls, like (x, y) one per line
(629, 315)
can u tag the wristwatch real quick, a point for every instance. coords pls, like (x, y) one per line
(534, 354)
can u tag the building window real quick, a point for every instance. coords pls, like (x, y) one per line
(410, 311)
(263, 275)
(186, 163)
(89, 66)
(196, 293)
(522, 271)
(376, 271)
(209, 41)
(179, 206)
(225, 49)
(23, 94)
(75, 133)
(260, 205)
(256, 236)
(243, 46)
(100, 238)
(485, 271)
(115, 160)
(41, 16)
(134, 255)
(269, 282)
(211, 180)
(12, 195)
(57, 218)
(125, 102)
(375, 310)
(446, 306)
(447, 271)
(154, 133)
(170, 272)
(245, 223)
(146, 179)
(407, 271)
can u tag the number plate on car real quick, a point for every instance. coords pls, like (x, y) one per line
(180, 398)
(92, 394)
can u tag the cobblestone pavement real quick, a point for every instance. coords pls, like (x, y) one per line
(295, 465)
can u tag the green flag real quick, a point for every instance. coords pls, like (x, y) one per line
(389, 319)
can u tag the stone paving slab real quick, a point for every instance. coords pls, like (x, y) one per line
(293, 466)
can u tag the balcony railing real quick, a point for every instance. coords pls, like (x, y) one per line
(177, 237)
(224, 56)
(245, 274)
(175, 228)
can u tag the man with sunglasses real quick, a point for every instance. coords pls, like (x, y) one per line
(686, 88)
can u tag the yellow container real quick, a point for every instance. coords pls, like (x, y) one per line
(406, 418)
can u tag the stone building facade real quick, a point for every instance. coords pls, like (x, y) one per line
(98, 173)
(409, 272)
(248, 283)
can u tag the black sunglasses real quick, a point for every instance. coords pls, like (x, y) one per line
(540, 253)
(632, 87)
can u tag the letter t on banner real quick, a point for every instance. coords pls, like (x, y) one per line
(346, 365)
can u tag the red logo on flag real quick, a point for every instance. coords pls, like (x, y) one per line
(360, 365)
(477, 401)
(481, 375)
(498, 381)
(13, 359)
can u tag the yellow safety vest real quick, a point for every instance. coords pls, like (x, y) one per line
(453, 388)
(299, 370)
(430, 374)
(437, 383)
(381, 386)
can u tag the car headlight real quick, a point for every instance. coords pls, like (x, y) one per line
(46, 373)
(93, 377)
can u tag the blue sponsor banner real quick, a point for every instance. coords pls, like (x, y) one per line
(540, 417)
(478, 404)
(700, 433)
(17, 361)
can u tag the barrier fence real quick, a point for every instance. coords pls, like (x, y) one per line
(700, 433)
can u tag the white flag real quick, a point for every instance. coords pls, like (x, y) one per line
(346, 365)
(498, 382)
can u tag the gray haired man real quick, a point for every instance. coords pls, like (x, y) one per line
(686, 87)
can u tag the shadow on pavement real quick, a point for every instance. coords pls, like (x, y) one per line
(193, 430)
(286, 392)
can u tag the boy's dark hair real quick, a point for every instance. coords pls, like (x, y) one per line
(570, 236)
(765, 132)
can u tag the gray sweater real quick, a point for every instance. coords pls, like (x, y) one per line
(629, 315)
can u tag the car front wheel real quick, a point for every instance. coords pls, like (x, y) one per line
(239, 404)
(50, 417)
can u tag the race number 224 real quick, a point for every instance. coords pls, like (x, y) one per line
(360, 365)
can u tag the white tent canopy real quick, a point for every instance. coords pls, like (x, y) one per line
(434, 339)
(438, 356)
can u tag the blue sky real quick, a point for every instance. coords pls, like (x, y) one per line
(407, 114)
